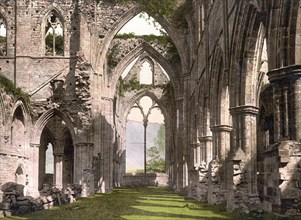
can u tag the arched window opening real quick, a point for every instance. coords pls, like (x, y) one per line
(18, 130)
(146, 103)
(54, 35)
(49, 159)
(3, 37)
(128, 68)
(56, 154)
(20, 176)
(134, 141)
(145, 138)
(146, 74)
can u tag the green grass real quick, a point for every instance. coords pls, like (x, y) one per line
(152, 203)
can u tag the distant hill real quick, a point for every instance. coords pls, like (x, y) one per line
(135, 143)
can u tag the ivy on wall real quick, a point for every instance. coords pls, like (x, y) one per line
(112, 56)
(175, 10)
(164, 40)
(134, 85)
(11, 89)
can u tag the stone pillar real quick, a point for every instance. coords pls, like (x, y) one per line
(206, 155)
(193, 171)
(58, 171)
(206, 151)
(33, 177)
(179, 156)
(83, 175)
(221, 134)
(286, 84)
(244, 157)
(58, 155)
(282, 158)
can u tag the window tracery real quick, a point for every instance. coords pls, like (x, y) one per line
(3, 36)
(54, 35)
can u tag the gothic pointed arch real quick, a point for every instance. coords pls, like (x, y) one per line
(20, 175)
(20, 124)
(141, 94)
(246, 58)
(53, 33)
(215, 78)
(172, 32)
(153, 53)
(56, 150)
(44, 119)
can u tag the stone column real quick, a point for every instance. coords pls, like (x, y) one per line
(179, 156)
(58, 155)
(221, 134)
(58, 171)
(282, 159)
(206, 151)
(244, 157)
(83, 175)
(246, 133)
(286, 84)
(33, 177)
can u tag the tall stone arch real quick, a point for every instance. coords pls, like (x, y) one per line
(145, 47)
(172, 32)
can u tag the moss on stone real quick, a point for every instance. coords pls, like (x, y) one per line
(11, 89)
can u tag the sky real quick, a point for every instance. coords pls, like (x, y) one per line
(140, 26)
(2, 31)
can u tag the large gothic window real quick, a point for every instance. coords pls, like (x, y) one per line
(145, 138)
(3, 37)
(54, 35)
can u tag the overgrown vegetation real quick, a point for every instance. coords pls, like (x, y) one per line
(112, 56)
(163, 40)
(2, 46)
(59, 45)
(145, 203)
(134, 85)
(11, 89)
(167, 8)
(156, 154)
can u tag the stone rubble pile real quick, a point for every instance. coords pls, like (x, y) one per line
(15, 203)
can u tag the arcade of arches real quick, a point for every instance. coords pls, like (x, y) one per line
(227, 81)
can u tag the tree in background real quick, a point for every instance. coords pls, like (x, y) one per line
(156, 154)
(59, 45)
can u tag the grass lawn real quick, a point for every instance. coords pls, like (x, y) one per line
(143, 203)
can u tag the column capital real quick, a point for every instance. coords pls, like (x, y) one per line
(288, 72)
(217, 128)
(205, 138)
(84, 144)
(244, 109)
(195, 144)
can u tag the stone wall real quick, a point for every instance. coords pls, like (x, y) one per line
(158, 179)
(282, 182)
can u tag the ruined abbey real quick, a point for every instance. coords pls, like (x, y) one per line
(227, 78)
